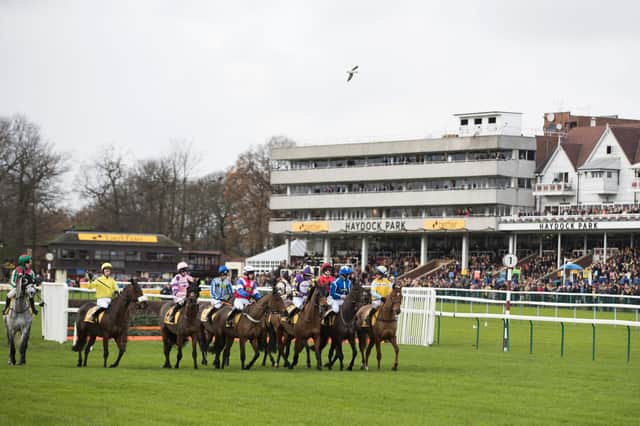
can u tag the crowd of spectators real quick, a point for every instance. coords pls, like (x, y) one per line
(584, 210)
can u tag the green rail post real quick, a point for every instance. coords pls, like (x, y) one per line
(628, 343)
(477, 333)
(562, 340)
(439, 316)
(593, 346)
(530, 337)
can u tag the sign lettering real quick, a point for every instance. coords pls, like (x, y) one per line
(375, 226)
(117, 238)
(318, 226)
(569, 226)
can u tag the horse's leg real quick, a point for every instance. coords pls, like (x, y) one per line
(332, 358)
(179, 343)
(87, 349)
(228, 341)
(218, 347)
(286, 350)
(296, 352)
(340, 354)
(194, 349)
(24, 341)
(316, 347)
(362, 343)
(369, 347)
(256, 348)
(167, 343)
(354, 351)
(378, 352)
(12, 347)
(122, 347)
(243, 341)
(105, 350)
(396, 348)
(204, 346)
(306, 347)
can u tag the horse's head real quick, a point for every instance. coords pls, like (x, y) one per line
(193, 292)
(395, 299)
(276, 304)
(318, 296)
(137, 293)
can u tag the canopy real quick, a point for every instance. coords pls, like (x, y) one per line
(572, 267)
(272, 258)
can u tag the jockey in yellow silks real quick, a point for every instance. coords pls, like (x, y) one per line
(105, 287)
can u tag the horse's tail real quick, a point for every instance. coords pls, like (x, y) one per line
(77, 342)
(271, 346)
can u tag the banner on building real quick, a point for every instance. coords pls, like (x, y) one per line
(444, 224)
(317, 226)
(117, 238)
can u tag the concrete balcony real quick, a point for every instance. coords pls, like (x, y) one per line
(460, 197)
(561, 189)
(601, 187)
(440, 170)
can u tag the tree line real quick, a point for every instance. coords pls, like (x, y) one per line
(225, 210)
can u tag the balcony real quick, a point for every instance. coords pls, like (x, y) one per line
(562, 189)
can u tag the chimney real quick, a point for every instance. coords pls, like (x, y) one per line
(593, 122)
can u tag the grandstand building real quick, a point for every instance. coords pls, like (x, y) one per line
(426, 197)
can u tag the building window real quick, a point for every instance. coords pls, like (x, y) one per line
(67, 254)
(464, 121)
(608, 149)
(477, 121)
(609, 175)
(492, 120)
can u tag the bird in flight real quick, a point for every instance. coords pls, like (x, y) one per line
(351, 72)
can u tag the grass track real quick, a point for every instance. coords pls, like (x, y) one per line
(447, 384)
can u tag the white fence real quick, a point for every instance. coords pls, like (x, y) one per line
(416, 324)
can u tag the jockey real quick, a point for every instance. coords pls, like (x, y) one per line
(23, 269)
(246, 289)
(105, 287)
(326, 277)
(380, 288)
(221, 290)
(179, 286)
(302, 289)
(340, 288)
(284, 288)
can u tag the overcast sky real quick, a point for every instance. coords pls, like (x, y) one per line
(226, 75)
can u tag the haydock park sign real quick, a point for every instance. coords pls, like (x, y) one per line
(568, 226)
(375, 226)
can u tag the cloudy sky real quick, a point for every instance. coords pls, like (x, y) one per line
(227, 75)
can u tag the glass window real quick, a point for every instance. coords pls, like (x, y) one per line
(67, 254)
(477, 121)
(464, 121)
(492, 120)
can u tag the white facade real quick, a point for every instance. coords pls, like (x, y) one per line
(606, 176)
(489, 123)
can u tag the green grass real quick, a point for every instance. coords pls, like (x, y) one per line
(450, 383)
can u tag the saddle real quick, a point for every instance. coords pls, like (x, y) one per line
(167, 316)
(88, 317)
(236, 319)
(293, 320)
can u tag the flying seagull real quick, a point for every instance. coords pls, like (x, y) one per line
(351, 72)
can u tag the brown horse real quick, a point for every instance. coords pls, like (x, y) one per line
(208, 332)
(114, 325)
(187, 325)
(343, 328)
(307, 326)
(384, 328)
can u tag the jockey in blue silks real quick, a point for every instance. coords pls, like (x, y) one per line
(340, 288)
(221, 290)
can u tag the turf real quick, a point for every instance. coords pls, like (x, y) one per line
(449, 383)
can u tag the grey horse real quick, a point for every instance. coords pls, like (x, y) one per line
(19, 319)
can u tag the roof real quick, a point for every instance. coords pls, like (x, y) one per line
(579, 143)
(607, 163)
(628, 136)
(471, 114)
(279, 254)
(96, 238)
(545, 147)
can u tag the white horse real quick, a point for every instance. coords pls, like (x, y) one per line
(19, 318)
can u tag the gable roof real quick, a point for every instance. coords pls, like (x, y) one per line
(628, 136)
(580, 141)
(606, 163)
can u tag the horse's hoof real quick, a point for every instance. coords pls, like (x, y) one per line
(290, 367)
(166, 366)
(395, 368)
(362, 367)
(328, 367)
(319, 368)
(350, 368)
(176, 367)
(113, 366)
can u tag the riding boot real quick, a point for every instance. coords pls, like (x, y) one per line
(229, 322)
(370, 316)
(7, 304)
(33, 306)
(174, 312)
(210, 314)
(96, 314)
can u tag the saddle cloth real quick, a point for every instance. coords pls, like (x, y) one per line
(365, 314)
(236, 318)
(205, 313)
(88, 317)
(167, 316)
(329, 320)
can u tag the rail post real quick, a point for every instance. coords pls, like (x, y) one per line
(561, 339)
(629, 343)
(439, 317)
(593, 345)
(530, 336)
(477, 333)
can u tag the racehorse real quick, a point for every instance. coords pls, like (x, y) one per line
(343, 327)
(187, 325)
(307, 326)
(114, 325)
(384, 329)
(19, 318)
